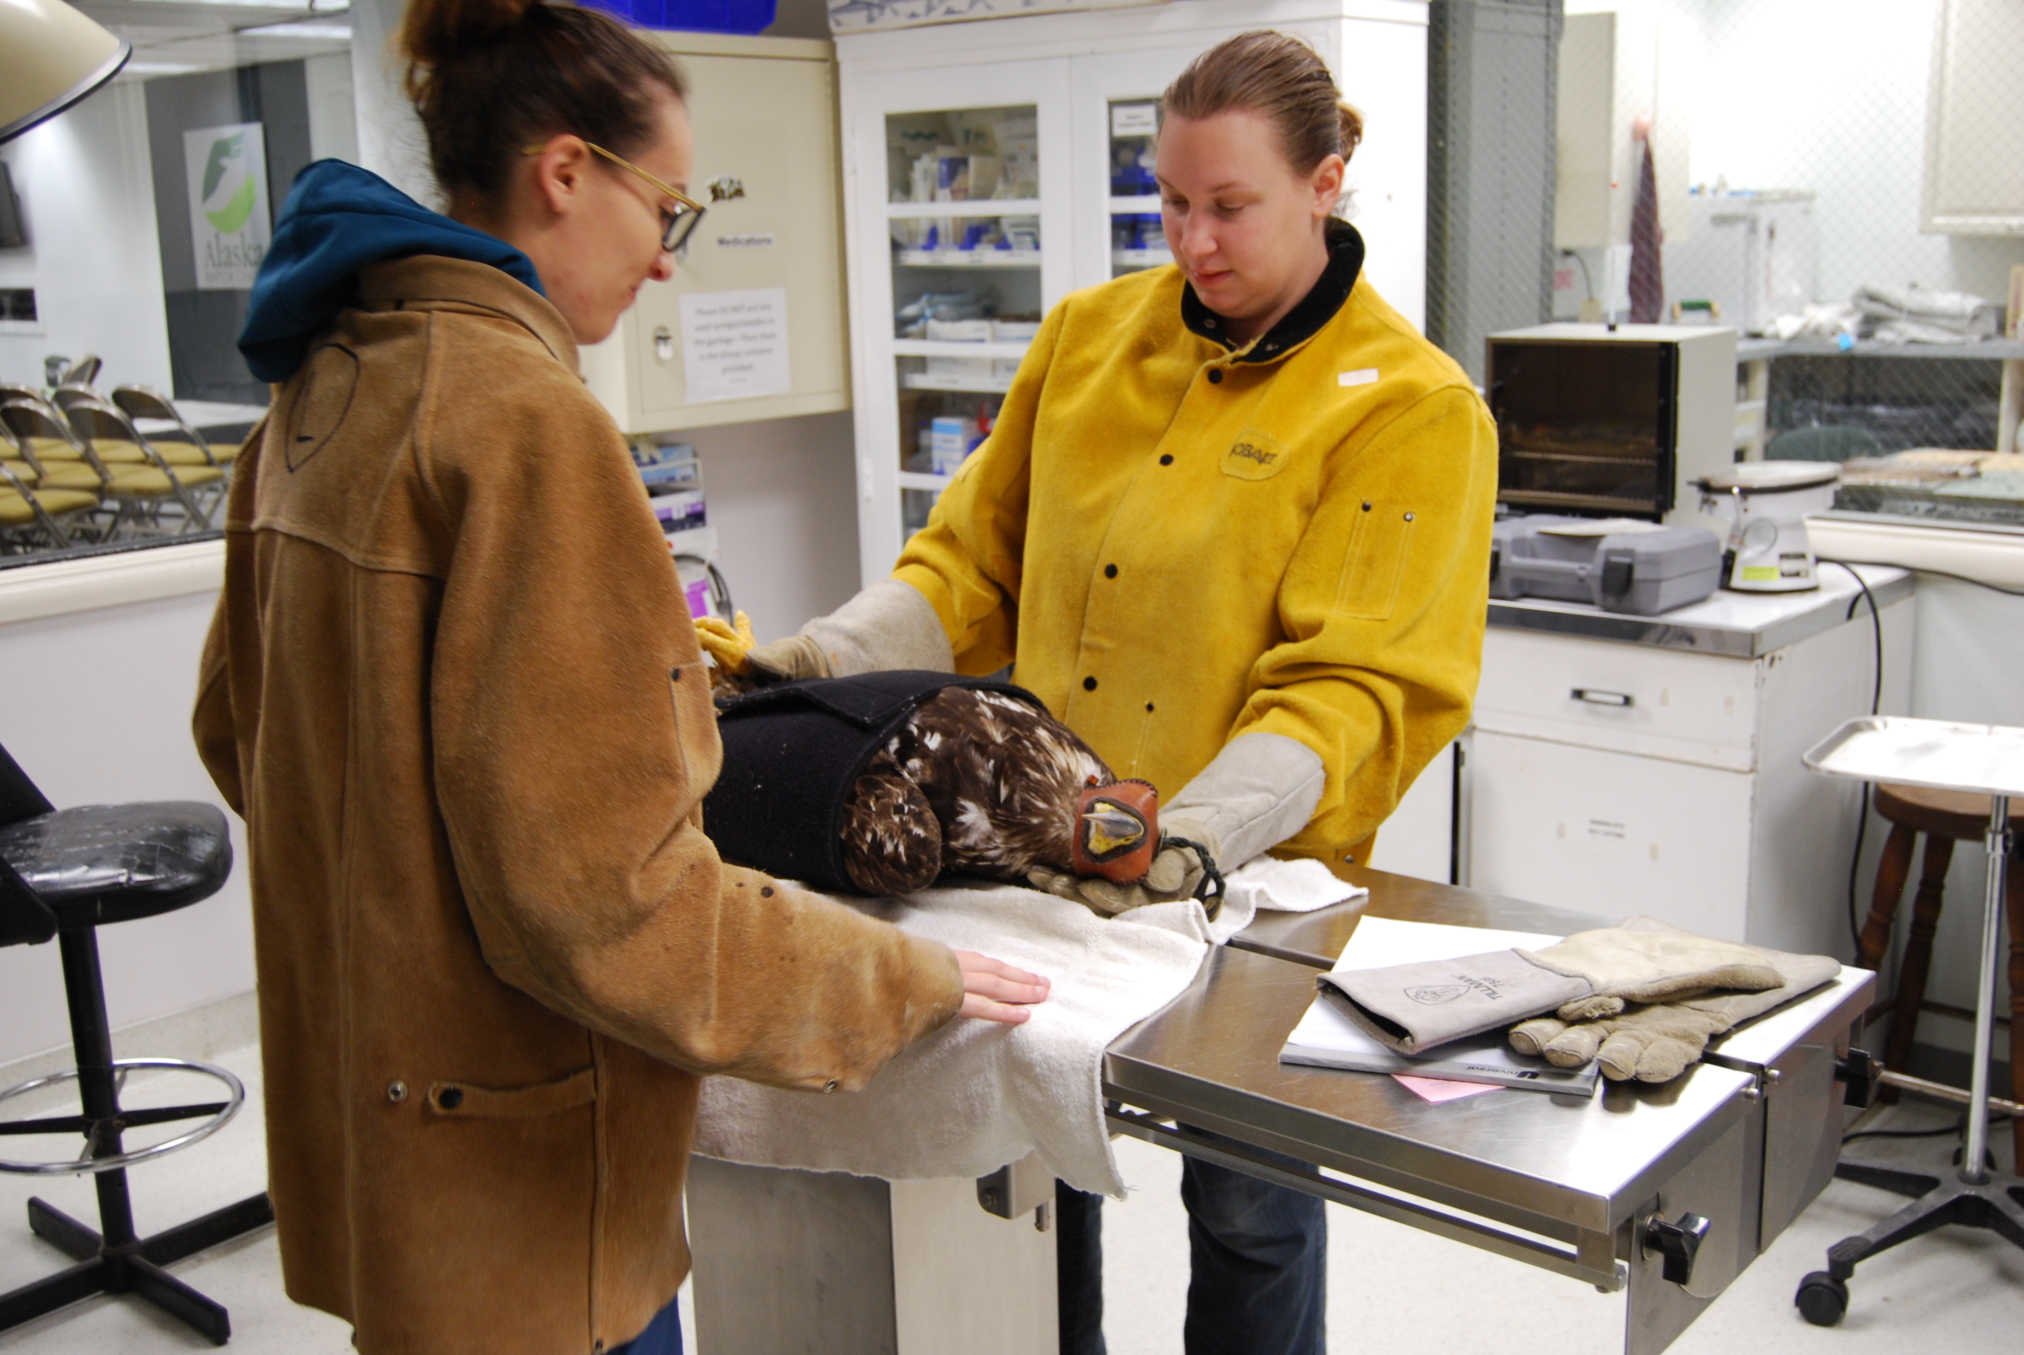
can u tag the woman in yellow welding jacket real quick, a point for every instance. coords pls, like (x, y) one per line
(1233, 527)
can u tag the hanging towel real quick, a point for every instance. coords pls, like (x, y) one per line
(974, 1095)
(1647, 280)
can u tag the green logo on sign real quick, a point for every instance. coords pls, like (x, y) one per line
(229, 187)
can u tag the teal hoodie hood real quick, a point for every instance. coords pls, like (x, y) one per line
(339, 218)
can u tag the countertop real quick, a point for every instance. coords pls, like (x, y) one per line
(1735, 625)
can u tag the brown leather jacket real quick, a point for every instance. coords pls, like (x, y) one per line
(454, 691)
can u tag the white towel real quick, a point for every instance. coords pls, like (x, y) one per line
(974, 1096)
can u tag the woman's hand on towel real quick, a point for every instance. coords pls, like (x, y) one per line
(996, 991)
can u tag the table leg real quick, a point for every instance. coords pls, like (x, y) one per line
(1893, 869)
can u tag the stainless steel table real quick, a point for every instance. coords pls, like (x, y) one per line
(1610, 1189)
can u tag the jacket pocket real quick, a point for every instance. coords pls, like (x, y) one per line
(463, 1101)
(1375, 562)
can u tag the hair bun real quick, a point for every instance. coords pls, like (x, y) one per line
(437, 31)
(1352, 126)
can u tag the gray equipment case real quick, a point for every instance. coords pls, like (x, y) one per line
(1640, 570)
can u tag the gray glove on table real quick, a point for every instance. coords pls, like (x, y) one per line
(1259, 791)
(1415, 1007)
(1658, 1043)
(888, 625)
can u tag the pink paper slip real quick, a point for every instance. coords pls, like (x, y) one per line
(1439, 1089)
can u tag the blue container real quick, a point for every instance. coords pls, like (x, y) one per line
(695, 16)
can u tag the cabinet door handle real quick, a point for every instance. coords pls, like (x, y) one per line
(1596, 697)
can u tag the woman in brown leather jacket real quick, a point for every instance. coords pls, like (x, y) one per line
(453, 689)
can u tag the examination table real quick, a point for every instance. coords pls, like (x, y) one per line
(1667, 1191)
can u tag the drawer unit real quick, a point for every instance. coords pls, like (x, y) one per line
(1617, 835)
(1657, 703)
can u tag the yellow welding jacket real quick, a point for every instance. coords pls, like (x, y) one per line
(1177, 541)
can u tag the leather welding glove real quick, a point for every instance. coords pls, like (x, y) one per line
(888, 625)
(1415, 1007)
(1658, 1043)
(1259, 791)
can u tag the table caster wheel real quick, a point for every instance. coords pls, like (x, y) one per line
(1822, 1299)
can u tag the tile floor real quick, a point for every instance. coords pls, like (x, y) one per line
(1391, 1289)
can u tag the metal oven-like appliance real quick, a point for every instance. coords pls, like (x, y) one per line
(1614, 422)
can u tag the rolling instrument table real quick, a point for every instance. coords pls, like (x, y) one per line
(1669, 1191)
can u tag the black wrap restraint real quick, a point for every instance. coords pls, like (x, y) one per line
(793, 751)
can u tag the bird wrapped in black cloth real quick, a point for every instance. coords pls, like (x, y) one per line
(885, 782)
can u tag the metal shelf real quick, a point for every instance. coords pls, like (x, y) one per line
(968, 258)
(950, 348)
(914, 211)
(924, 381)
(933, 484)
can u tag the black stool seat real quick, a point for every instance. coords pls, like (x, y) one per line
(63, 874)
(98, 864)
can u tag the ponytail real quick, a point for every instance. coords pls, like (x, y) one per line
(490, 76)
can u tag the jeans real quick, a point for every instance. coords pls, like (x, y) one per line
(1259, 1254)
(663, 1335)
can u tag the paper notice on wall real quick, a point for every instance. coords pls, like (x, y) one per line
(734, 344)
(230, 218)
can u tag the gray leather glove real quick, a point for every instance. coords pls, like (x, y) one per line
(1657, 1043)
(1259, 791)
(1177, 872)
(1415, 1007)
(888, 625)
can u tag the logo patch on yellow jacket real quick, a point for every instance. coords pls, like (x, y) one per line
(1255, 455)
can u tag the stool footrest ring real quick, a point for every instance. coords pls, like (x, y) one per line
(219, 1113)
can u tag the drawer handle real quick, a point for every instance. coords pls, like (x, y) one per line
(1596, 697)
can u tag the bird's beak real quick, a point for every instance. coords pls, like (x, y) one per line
(1109, 829)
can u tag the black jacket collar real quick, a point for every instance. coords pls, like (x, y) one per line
(1317, 308)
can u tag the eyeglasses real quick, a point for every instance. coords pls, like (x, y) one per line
(678, 224)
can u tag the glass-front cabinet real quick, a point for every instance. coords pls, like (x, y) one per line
(992, 167)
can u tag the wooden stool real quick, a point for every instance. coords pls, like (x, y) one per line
(1945, 817)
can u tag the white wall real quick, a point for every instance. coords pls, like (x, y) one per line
(783, 496)
(1832, 98)
(390, 139)
(98, 711)
(93, 257)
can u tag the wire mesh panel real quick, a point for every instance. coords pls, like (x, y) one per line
(1843, 184)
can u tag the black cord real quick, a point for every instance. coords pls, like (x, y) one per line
(1922, 569)
(1875, 706)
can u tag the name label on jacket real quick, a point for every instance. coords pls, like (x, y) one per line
(1255, 455)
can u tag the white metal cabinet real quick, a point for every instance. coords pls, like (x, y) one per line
(1974, 164)
(1689, 803)
(1071, 70)
(764, 116)
(1610, 833)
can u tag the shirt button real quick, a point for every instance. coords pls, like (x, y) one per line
(1215, 376)
(397, 1091)
(1089, 684)
(1167, 460)
(1110, 571)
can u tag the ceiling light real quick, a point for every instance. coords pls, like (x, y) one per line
(50, 57)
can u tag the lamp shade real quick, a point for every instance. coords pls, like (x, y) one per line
(50, 57)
